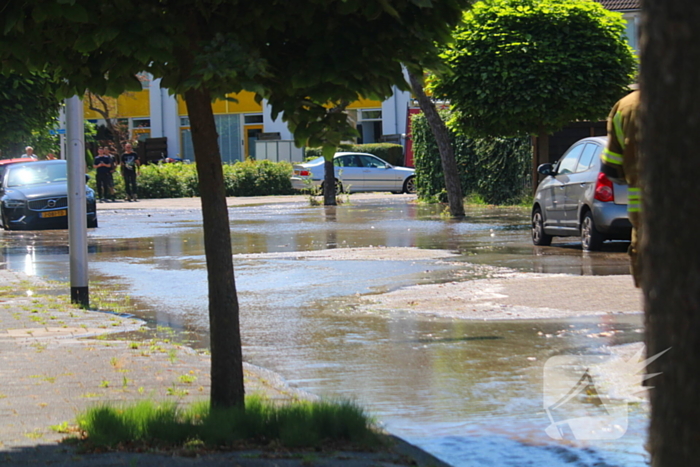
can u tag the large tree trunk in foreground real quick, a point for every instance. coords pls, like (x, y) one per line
(670, 141)
(447, 156)
(226, 356)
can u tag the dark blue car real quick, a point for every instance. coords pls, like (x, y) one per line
(34, 195)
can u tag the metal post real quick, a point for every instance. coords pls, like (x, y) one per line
(77, 209)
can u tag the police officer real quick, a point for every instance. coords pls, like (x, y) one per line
(620, 165)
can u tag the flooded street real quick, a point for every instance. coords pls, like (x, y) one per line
(468, 391)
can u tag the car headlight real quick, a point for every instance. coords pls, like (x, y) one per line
(14, 203)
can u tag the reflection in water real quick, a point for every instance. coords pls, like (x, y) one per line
(468, 391)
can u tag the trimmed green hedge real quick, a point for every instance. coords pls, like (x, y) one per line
(496, 169)
(249, 178)
(392, 153)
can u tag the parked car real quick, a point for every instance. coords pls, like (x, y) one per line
(34, 194)
(577, 199)
(355, 171)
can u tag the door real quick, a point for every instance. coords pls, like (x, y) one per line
(565, 167)
(348, 170)
(251, 136)
(378, 176)
(579, 181)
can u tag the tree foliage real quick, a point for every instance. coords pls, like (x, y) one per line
(299, 56)
(531, 66)
(28, 105)
(495, 168)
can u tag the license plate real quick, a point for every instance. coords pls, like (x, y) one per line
(60, 213)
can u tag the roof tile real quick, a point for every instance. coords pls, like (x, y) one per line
(620, 5)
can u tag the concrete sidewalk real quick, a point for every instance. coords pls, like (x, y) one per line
(57, 360)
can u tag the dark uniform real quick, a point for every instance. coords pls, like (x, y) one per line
(620, 165)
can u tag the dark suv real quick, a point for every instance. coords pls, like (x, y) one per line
(576, 199)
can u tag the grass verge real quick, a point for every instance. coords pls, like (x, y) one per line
(262, 423)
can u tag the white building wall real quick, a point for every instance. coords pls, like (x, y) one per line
(156, 108)
(171, 123)
(394, 112)
(275, 126)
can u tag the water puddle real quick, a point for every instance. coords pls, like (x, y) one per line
(468, 391)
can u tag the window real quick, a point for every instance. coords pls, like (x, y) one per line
(346, 161)
(184, 121)
(141, 122)
(587, 157)
(371, 115)
(253, 119)
(567, 164)
(369, 161)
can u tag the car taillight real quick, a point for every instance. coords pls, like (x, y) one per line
(604, 189)
(302, 173)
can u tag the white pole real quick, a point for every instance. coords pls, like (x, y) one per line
(77, 209)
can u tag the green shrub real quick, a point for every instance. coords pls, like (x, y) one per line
(495, 169)
(249, 178)
(392, 153)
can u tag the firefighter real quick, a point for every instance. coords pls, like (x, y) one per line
(620, 166)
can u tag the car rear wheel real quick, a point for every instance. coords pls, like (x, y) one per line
(539, 237)
(409, 186)
(591, 239)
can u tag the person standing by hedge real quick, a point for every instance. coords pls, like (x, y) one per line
(130, 165)
(103, 167)
(113, 168)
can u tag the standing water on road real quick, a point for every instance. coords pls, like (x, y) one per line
(469, 392)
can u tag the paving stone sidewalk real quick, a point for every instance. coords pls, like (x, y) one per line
(57, 360)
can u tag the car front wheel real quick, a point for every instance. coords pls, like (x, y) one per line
(5, 221)
(591, 239)
(539, 237)
(409, 186)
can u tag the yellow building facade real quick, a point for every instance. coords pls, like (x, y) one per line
(241, 121)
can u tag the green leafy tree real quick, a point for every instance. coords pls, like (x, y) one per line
(28, 108)
(531, 66)
(306, 58)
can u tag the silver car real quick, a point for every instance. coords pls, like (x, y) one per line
(576, 199)
(356, 171)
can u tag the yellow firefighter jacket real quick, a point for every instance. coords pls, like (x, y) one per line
(620, 157)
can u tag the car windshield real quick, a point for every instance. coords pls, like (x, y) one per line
(35, 174)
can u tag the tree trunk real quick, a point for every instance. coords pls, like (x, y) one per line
(226, 357)
(329, 184)
(670, 250)
(455, 197)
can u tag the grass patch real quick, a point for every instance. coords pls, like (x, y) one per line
(262, 423)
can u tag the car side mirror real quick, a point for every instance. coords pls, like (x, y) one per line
(87, 178)
(546, 169)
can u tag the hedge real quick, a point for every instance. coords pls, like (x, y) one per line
(497, 169)
(392, 153)
(249, 178)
